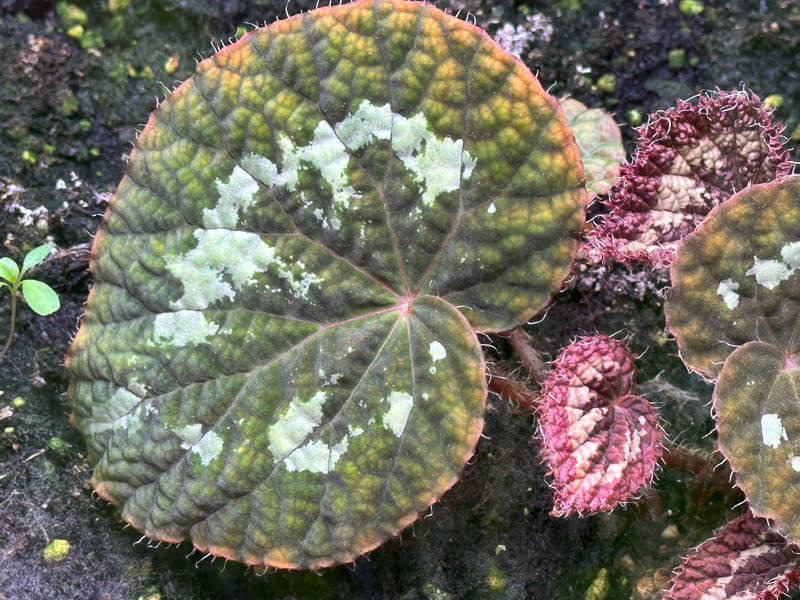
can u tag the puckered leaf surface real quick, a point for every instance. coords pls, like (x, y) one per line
(601, 442)
(600, 142)
(735, 280)
(745, 560)
(278, 359)
(689, 159)
(735, 304)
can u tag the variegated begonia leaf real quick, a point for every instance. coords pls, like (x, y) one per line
(600, 142)
(745, 560)
(689, 159)
(734, 280)
(277, 360)
(601, 442)
(735, 311)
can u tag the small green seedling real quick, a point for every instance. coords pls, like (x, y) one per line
(40, 297)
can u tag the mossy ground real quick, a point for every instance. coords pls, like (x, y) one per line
(70, 107)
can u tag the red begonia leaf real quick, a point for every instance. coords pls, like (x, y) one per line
(746, 560)
(600, 441)
(689, 159)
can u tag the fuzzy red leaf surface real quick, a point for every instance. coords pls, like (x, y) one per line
(601, 441)
(746, 560)
(689, 159)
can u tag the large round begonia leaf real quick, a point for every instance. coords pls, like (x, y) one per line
(735, 281)
(278, 358)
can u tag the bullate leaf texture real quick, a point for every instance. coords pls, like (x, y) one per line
(745, 560)
(278, 358)
(601, 442)
(689, 159)
(734, 280)
(734, 310)
(600, 142)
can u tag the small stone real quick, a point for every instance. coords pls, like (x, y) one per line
(670, 532)
(56, 550)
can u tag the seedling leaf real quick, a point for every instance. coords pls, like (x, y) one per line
(689, 159)
(40, 297)
(35, 256)
(9, 271)
(600, 142)
(735, 279)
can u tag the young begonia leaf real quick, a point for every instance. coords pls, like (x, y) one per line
(40, 297)
(9, 271)
(735, 302)
(35, 256)
(601, 442)
(600, 142)
(689, 159)
(278, 360)
(745, 560)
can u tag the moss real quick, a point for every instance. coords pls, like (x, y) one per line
(607, 83)
(676, 59)
(600, 586)
(691, 7)
(56, 550)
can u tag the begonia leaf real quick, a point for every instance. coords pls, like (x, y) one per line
(601, 442)
(600, 142)
(734, 280)
(735, 311)
(689, 159)
(745, 560)
(278, 358)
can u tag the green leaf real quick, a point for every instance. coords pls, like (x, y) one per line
(35, 256)
(735, 279)
(600, 142)
(278, 358)
(758, 422)
(9, 270)
(40, 297)
(735, 312)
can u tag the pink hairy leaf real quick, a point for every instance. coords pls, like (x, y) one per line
(746, 560)
(600, 441)
(689, 159)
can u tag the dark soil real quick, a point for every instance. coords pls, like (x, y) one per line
(69, 109)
